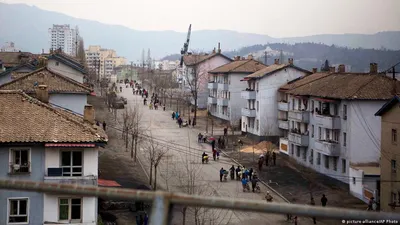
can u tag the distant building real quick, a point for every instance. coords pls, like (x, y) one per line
(9, 47)
(62, 36)
(103, 61)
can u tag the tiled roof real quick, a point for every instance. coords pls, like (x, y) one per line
(272, 69)
(26, 65)
(56, 83)
(26, 119)
(194, 59)
(16, 75)
(302, 81)
(11, 59)
(68, 62)
(239, 66)
(70, 58)
(350, 86)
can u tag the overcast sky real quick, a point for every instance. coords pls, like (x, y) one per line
(277, 18)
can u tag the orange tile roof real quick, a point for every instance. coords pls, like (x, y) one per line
(194, 59)
(26, 119)
(302, 81)
(272, 69)
(56, 83)
(239, 66)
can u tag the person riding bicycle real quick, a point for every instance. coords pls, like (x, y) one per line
(268, 197)
(244, 183)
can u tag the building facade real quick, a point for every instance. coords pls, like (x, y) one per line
(70, 68)
(260, 114)
(64, 37)
(103, 61)
(225, 86)
(390, 154)
(9, 75)
(9, 47)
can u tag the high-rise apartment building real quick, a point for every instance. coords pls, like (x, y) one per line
(102, 61)
(62, 36)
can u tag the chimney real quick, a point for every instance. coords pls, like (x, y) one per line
(88, 114)
(219, 47)
(290, 61)
(314, 70)
(332, 69)
(341, 68)
(42, 93)
(276, 61)
(373, 68)
(250, 56)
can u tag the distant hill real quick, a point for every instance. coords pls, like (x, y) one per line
(28, 27)
(311, 55)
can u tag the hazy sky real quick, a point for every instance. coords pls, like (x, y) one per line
(277, 18)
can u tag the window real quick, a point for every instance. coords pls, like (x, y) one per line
(312, 131)
(292, 124)
(345, 112)
(305, 155)
(394, 136)
(292, 149)
(335, 109)
(57, 63)
(319, 133)
(258, 105)
(69, 209)
(344, 138)
(318, 158)
(327, 134)
(393, 163)
(343, 166)
(335, 135)
(354, 180)
(326, 161)
(298, 151)
(71, 163)
(312, 157)
(18, 210)
(335, 163)
(20, 161)
(257, 124)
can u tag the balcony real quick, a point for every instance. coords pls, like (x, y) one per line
(283, 124)
(300, 116)
(284, 145)
(327, 147)
(16, 169)
(223, 87)
(212, 85)
(283, 106)
(329, 122)
(249, 95)
(248, 112)
(212, 100)
(222, 101)
(299, 139)
(55, 175)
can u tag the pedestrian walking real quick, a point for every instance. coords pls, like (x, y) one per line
(225, 131)
(146, 219)
(173, 115)
(237, 173)
(141, 220)
(266, 158)
(274, 157)
(190, 122)
(250, 173)
(324, 200)
(104, 125)
(213, 144)
(312, 202)
(163, 107)
(221, 174)
(194, 121)
(232, 172)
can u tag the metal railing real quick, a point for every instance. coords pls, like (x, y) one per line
(163, 202)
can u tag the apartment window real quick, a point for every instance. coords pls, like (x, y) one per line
(394, 136)
(71, 163)
(343, 166)
(57, 63)
(298, 151)
(257, 124)
(326, 161)
(327, 134)
(312, 131)
(292, 149)
(304, 155)
(312, 157)
(335, 109)
(292, 124)
(20, 160)
(335, 135)
(293, 104)
(70, 209)
(354, 180)
(344, 138)
(335, 163)
(345, 112)
(393, 166)
(258, 105)
(318, 158)
(257, 86)
(18, 210)
(319, 133)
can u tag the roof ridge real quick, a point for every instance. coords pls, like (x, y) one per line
(22, 77)
(54, 110)
(245, 61)
(325, 75)
(68, 79)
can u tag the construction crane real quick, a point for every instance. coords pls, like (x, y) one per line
(184, 50)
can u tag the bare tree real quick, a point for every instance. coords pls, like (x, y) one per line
(155, 153)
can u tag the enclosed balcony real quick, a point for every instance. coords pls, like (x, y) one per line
(223, 86)
(326, 121)
(222, 101)
(299, 139)
(248, 112)
(330, 148)
(283, 106)
(248, 94)
(212, 100)
(56, 175)
(283, 124)
(212, 85)
(300, 116)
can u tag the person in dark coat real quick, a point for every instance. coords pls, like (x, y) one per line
(173, 115)
(225, 131)
(213, 144)
(250, 173)
(324, 200)
(104, 125)
(274, 158)
(146, 219)
(237, 173)
(267, 159)
(313, 204)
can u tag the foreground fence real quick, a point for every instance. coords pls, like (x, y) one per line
(163, 202)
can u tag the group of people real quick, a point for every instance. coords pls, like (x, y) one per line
(266, 158)
(142, 220)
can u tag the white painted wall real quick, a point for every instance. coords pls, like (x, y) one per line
(90, 160)
(65, 70)
(357, 188)
(268, 100)
(89, 209)
(73, 102)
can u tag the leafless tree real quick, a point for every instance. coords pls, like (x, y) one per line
(155, 153)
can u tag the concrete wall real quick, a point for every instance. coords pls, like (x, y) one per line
(73, 102)
(357, 188)
(65, 70)
(389, 151)
(37, 174)
(89, 215)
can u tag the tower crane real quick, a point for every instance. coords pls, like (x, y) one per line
(184, 50)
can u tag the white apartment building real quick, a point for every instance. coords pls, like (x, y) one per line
(225, 88)
(64, 37)
(103, 61)
(193, 75)
(9, 47)
(260, 114)
(332, 127)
